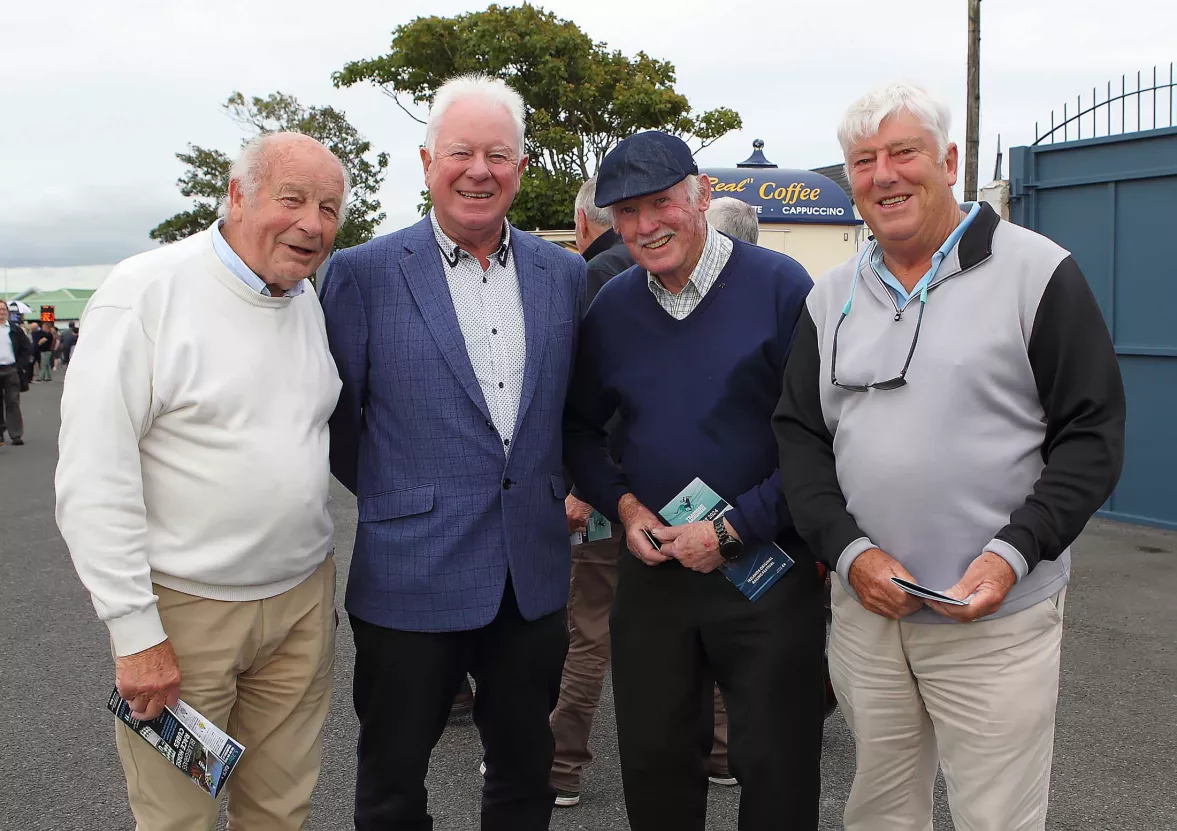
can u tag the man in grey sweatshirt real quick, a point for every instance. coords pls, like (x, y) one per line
(952, 415)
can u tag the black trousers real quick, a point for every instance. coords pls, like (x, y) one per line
(675, 632)
(10, 417)
(405, 683)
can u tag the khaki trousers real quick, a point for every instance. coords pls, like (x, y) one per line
(590, 598)
(978, 699)
(260, 670)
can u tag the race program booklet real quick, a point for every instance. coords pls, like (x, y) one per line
(925, 593)
(597, 528)
(758, 567)
(188, 740)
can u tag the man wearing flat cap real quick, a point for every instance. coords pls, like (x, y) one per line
(689, 346)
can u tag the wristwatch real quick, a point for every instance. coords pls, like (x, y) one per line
(729, 547)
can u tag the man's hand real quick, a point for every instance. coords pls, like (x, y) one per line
(695, 545)
(988, 579)
(577, 513)
(871, 574)
(637, 518)
(148, 680)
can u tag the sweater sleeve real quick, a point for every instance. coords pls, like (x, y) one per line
(808, 471)
(347, 334)
(588, 407)
(762, 513)
(105, 411)
(1079, 384)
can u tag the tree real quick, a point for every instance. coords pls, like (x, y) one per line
(207, 177)
(581, 98)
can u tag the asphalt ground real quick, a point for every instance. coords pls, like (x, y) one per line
(1115, 748)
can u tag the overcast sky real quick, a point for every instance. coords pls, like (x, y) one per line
(94, 103)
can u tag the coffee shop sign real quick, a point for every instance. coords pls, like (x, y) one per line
(785, 195)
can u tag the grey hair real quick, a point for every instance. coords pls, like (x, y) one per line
(475, 85)
(252, 165)
(865, 115)
(735, 218)
(694, 191)
(585, 202)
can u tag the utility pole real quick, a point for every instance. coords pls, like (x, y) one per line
(973, 123)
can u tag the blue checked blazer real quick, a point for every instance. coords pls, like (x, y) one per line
(443, 512)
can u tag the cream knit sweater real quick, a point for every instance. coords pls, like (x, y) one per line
(193, 449)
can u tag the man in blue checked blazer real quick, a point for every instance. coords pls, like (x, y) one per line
(454, 339)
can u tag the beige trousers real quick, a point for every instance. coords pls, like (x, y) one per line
(976, 699)
(261, 671)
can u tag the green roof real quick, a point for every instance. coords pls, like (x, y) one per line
(68, 304)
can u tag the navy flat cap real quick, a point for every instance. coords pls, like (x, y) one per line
(643, 164)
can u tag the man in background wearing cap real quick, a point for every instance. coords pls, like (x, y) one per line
(594, 564)
(690, 347)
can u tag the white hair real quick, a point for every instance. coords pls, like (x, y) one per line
(585, 201)
(735, 218)
(865, 115)
(475, 85)
(252, 165)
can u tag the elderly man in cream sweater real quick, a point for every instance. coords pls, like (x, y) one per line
(192, 486)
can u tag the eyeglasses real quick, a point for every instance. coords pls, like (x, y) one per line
(899, 380)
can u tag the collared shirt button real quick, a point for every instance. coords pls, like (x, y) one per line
(494, 331)
(500, 385)
(506, 442)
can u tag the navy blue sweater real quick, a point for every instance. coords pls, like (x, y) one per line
(696, 395)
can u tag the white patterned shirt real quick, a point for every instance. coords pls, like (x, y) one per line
(717, 249)
(490, 315)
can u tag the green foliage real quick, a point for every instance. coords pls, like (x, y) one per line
(581, 98)
(207, 177)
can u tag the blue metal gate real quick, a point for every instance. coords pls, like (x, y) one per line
(1112, 201)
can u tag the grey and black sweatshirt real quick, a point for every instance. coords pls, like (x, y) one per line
(1007, 437)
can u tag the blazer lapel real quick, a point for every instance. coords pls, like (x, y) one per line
(535, 289)
(426, 279)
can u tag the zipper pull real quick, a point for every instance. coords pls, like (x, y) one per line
(899, 315)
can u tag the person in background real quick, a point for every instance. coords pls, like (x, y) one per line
(34, 333)
(954, 414)
(69, 339)
(46, 338)
(15, 352)
(58, 353)
(193, 480)
(735, 218)
(603, 250)
(594, 564)
(455, 339)
(690, 348)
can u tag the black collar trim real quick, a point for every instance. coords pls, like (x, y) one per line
(976, 244)
(453, 254)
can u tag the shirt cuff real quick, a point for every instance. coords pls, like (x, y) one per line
(1011, 555)
(135, 632)
(736, 520)
(849, 555)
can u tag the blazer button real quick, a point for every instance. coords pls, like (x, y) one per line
(490, 426)
(507, 484)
